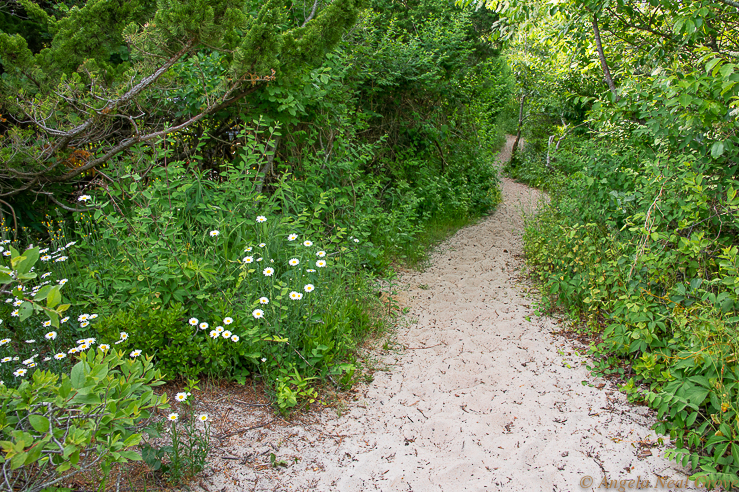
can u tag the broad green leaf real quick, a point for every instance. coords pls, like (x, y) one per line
(42, 293)
(77, 375)
(25, 262)
(39, 423)
(717, 150)
(54, 296)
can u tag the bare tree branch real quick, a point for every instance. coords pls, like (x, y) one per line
(603, 61)
(731, 3)
(312, 13)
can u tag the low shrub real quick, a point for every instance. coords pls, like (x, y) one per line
(54, 427)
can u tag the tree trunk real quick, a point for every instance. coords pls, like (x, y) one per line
(520, 127)
(602, 56)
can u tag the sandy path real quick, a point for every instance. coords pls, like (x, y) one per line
(480, 399)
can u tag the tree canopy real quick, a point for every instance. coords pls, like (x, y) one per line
(117, 74)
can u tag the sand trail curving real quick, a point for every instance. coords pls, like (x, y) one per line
(482, 397)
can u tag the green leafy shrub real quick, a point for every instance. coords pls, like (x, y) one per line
(159, 331)
(56, 426)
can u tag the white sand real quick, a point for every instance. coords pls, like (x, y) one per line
(491, 404)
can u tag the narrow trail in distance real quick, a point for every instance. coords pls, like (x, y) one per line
(482, 396)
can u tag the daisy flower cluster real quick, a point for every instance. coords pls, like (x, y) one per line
(54, 354)
(219, 331)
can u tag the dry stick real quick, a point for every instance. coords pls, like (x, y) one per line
(422, 348)
(263, 424)
(253, 404)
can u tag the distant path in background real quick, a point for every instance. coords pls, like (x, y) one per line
(482, 396)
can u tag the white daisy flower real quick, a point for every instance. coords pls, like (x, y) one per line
(124, 335)
(321, 263)
(309, 288)
(296, 296)
(61, 258)
(17, 303)
(27, 361)
(84, 324)
(227, 320)
(293, 261)
(70, 244)
(258, 313)
(31, 341)
(356, 240)
(5, 359)
(181, 396)
(260, 259)
(63, 281)
(73, 350)
(307, 243)
(219, 329)
(83, 317)
(6, 253)
(93, 316)
(193, 321)
(203, 325)
(226, 334)
(263, 300)
(262, 245)
(15, 313)
(84, 198)
(64, 319)
(264, 359)
(47, 323)
(214, 233)
(135, 353)
(213, 334)
(51, 335)
(248, 259)
(267, 273)
(203, 417)
(292, 237)
(45, 258)
(104, 347)
(173, 417)
(32, 364)
(321, 254)
(261, 219)
(234, 338)
(248, 249)
(85, 346)
(310, 270)
(20, 372)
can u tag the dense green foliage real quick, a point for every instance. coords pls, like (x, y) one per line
(216, 185)
(640, 236)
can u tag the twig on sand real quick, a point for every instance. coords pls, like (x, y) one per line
(263, 424)
(421, 348)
